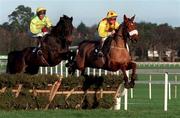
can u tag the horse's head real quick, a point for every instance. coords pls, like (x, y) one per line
(130, 28)
(64, 28)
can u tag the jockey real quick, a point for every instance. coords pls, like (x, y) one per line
(107, 28)
(40, 25)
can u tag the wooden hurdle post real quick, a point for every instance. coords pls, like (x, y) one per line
(53, 91)
(18, 90)
(3, 89)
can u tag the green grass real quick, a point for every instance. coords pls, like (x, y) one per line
(158, 66)
(98, 113)
(171, 77)
(142, 103)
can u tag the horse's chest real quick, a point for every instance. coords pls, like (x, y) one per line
(119, 55)
(98, 62)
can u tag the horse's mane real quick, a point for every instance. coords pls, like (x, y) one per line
(61, 26)
(57, 30)
(61, 31)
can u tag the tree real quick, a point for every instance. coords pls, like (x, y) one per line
(14, 33)
(83, 30)
(19, 19)
(6, 37)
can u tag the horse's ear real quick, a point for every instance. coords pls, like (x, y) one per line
(65, 16)
(125, 17)
(132, 18)
(71, 18)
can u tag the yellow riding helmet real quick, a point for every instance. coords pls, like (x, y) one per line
(40, 9)
(111, 14)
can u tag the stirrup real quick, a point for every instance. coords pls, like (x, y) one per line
(100, 54)
(39, 52)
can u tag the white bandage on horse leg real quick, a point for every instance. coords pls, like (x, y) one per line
(104, 38)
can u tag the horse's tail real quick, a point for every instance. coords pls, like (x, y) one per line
(9, 62)
(7, 66)
(14, 63)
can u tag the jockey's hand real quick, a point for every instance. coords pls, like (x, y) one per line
(44, 29)
(50, 28)
(111, 33)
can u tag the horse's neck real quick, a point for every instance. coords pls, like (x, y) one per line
(57, 42)
(56, 30)
(120, 40)
(58, 33)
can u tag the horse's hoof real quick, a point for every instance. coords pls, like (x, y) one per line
(131, 84)
(126, 85)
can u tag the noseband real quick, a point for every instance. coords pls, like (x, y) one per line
(133, 32)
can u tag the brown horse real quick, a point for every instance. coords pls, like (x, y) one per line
(116, 56)
(54, 49)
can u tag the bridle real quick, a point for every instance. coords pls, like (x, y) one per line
(131, 33)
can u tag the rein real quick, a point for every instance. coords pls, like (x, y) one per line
(117, 47)
(119, 35)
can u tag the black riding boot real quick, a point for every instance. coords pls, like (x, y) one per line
(100, 53)
(37, 49)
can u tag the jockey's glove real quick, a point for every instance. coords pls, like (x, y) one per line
(111, 33)
(44, 29)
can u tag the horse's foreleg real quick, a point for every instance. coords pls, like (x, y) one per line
(126, 84)
(72, 66)
(83, 72)
(31, 69)
(132, 66)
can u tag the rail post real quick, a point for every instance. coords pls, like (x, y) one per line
(150, 92)
(166, 92)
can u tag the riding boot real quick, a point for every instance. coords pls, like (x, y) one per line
(38, 45)
(100, 53)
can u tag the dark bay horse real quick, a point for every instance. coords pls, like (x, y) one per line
(54, 49)
(116, 56)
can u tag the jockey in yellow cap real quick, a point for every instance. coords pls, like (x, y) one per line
(40, 25)
(107, 27)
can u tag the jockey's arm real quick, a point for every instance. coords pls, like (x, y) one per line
(117, 25)
(33, 27)
(102, 30)
(48, 22)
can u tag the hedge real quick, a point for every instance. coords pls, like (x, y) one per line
(27, 100)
